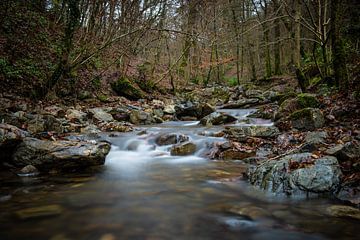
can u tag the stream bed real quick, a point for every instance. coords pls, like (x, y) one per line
(142, 192)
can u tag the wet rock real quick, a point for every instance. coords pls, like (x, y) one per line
(307, 119)
(343, 211)
(350, 194)
(39, 212)
(75, 115)
(183, 149)
(29, 169)
(238, 223)
(232, 154)
(252, 131)
(99, 115)
(242, 103)
(217, 118)
(141, 117)
(197, 111)
(47, 155)
(251, 211)
(170, 138)
(297, 174)
(316, 137)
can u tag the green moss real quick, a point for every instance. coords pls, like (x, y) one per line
(306, 112)
(124, 87)
(306, 100)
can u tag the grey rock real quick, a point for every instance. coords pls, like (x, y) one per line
(46, 155)
(75, 115)
(10, 138)
(44, 123)
(217, 118)
(323, 176)
(349, 151)
(316, 137)
(307, 119)
(10, 134)
(99, 115)
(252, 131)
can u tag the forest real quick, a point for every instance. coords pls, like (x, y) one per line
(179, 119)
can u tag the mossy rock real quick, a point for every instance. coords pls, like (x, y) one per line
(123, 87)
(307, 100)
(301, 101)
(307, 119)
(281, 97)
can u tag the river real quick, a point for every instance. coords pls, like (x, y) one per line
(142, 192)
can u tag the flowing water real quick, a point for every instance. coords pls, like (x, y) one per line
(142, 192)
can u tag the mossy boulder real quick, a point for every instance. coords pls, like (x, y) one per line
(307, 119)
(123, 87)
(303, 100)
(307, 100)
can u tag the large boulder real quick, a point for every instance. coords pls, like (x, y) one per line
(194, 110)
(217, 118)
(301, 101)
(307, 119)
(183, 149)
(47, 155)
(297, 174)
(170, 138)
(99, 115)
(240, 132)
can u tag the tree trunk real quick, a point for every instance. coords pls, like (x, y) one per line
(297, 34)
(339, 56)
(63, 67)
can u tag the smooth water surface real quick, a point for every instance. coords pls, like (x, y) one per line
(143, 192)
